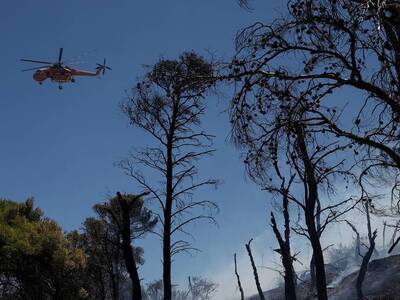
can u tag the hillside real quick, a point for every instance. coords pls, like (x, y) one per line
(382, 282)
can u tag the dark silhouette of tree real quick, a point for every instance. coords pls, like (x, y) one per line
(130, 220)
(345, 47)
(255, 273)
(393, 240)
(104, 259)
(273, 138)
(284, 242)
(238, 279)
(368, 254)
(283, 191)
(311, 199)
(394, 245)
(168, 105)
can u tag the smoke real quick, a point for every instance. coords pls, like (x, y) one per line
(264, 258)
(80, 59)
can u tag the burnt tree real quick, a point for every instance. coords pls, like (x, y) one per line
(367, 256)
(274, 129)
(348, 49)
(348, 75)
(238, 279)
(284, 241)
(168, 105)
(255, 273)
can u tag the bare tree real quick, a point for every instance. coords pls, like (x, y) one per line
(198, 289)
(277, 136)
(345, 46)
(368, 254)
(284, 242)
(201, 288)
(238, 279)
(255, 273)
(168, 105)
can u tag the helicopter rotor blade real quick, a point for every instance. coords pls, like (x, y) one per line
(37, 61)
(37, 68)
(60, 55)
(103, 67)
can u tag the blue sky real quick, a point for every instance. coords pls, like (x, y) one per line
(60, 146)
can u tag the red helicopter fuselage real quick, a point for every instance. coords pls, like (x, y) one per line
(61, 74)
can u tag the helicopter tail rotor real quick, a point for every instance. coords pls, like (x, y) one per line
(103, 67)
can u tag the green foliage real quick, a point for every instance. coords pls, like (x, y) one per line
(36, 258)
(105, 268)
(111, 213)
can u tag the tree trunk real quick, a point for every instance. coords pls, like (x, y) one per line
(238, 279)
(287, 261)
(114, 288)
(167, 255)
(363, 271)
(128, 251)
(319, 263)
(367, 256)
(313, 280)
(167, 220)
(311, 200)
(290, 278)
(253, 265)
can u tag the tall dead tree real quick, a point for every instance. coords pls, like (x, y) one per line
(284, 240)
(255, 272)
(168, 105)
(287, 261)
(238, 279)
(311, 199)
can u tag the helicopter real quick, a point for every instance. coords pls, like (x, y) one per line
(61, 73)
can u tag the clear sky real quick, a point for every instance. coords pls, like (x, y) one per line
(61, 146)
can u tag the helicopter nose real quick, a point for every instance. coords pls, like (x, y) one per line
(39, 75)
